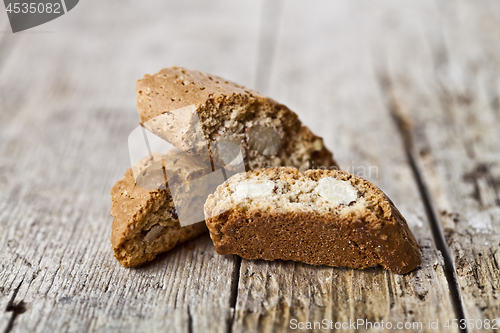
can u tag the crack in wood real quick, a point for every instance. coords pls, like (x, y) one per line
(405, 130)
(190, 320)
(390, 292)
(482, 171)
(23, 259)
(16, 308)
(234, 293)
(494, 260)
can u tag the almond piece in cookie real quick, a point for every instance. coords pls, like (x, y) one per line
(317, 217)
(194, 110)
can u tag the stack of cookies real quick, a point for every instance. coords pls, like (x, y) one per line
(292, 203)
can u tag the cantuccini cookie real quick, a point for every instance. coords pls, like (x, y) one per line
(320, 217)
(145, 218)
(190, 109)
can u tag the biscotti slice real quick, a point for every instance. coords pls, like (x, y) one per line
(145, 218)
(320, 217)
(191, 110)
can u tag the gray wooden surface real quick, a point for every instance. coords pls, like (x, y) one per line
(405, 93)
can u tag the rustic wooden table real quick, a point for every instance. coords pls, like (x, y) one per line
(407, 94)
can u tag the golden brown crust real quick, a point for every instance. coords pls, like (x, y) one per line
(225, 107)
(357, 236)
(137, 211)
(131, 204)
(175, 87)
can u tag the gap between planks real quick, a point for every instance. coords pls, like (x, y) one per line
(16, 308)
(404, 129)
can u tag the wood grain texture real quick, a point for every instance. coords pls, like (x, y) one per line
(377, 80)
(324, 69)
(444, 84)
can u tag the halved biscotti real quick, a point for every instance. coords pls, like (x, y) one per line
(320, 217)
(191, 109)
(145, 218)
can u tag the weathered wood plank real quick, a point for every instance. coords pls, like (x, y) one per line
(450, 96)
(324, 70)
(68, 105)
(64, 128)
